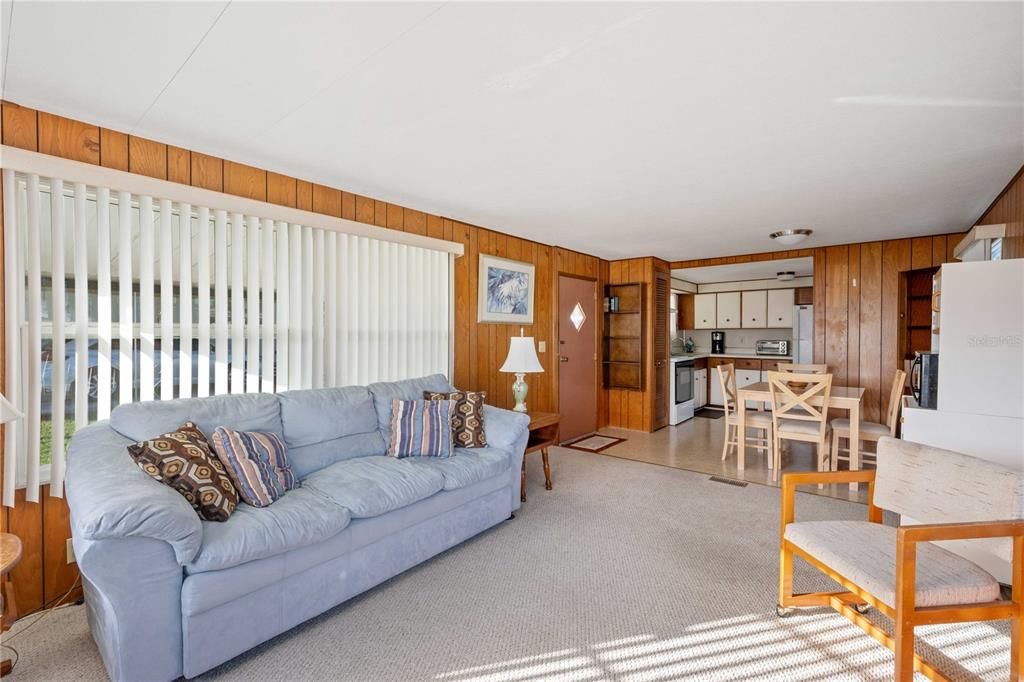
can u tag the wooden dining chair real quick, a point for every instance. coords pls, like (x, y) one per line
(869, 431)
(755, 419)
(803, 368)
(795, 418)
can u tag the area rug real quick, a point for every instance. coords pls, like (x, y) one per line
(624, 572)
(707, 413)
(594, 443)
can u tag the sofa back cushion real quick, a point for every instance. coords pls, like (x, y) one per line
(327, 425)
(248, 412)
(408, 389)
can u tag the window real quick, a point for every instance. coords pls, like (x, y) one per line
(118, 297)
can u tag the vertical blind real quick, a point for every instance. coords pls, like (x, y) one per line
(113, 297)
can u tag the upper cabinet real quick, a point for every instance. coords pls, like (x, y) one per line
(780, 307)
(704, 309)
(728, 305)
(755, 308)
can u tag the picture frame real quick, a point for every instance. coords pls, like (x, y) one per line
(505, 291)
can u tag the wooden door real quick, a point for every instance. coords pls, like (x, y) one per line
(660, 354)
(577, 357)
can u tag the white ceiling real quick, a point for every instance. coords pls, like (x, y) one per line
(745, 272)
(620, 129)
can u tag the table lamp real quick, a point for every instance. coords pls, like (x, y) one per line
(522, 358)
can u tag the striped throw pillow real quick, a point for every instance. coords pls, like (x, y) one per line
(421, 428)
(257, 463)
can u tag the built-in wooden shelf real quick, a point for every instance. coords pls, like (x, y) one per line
(624, 338)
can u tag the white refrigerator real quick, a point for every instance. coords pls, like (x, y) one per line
(980, 409)
(803, 335)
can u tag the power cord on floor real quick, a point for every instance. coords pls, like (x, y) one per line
(55, 606)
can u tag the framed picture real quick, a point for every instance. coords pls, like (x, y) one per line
(505, 291)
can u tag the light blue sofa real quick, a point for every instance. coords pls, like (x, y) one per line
(171, 595)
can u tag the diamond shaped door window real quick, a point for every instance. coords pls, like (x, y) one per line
(577, 316)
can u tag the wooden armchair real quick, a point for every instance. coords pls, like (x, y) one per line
(898, 570)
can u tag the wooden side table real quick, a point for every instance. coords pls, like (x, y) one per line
(543, 434)
(10, 555)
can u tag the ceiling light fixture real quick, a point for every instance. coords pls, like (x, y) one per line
(790, 237)
(786, 276)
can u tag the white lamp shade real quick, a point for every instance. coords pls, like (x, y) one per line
(522, 356)
(8, 413)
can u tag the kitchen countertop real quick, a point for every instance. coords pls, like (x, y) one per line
(745, 356)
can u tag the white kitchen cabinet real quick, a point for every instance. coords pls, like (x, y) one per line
(745, 377)
(755, 309)
(715, 396)
(780, 307)
(704, 311)
(728, 305)
(700, 388)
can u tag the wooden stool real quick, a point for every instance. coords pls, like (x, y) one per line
(10, 555)
(543, 434)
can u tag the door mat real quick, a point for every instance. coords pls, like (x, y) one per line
(708, 413)
(595, 443)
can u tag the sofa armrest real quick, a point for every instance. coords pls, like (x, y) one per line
(791, 481)
(505, 429)
(110, 497)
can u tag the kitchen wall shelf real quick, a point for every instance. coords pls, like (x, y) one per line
(624, 338)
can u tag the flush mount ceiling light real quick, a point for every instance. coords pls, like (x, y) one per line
(790, 237)
(786, 276)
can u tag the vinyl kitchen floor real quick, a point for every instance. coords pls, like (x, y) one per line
(696, 445)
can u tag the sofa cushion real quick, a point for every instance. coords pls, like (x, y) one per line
(467, 466)
(407, 389)
(324, 426)
(865, 553)
(257, 463)
(370, 486)
(182, 460)
(421, 428)
(248, 412)
(302, 517)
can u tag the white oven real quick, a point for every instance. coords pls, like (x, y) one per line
(681, 391)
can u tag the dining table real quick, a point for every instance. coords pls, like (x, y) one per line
(847, 398)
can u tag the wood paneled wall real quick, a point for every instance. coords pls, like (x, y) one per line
(1009, 208)
(635, 409)
(43, 575)
(857, 305)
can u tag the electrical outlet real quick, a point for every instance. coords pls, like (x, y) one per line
(541, 346)
(71, 552)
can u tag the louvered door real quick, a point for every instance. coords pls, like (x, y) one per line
(660, 352)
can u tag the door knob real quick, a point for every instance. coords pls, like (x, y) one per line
(562, 358)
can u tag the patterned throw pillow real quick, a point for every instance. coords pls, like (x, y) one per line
(182, 460)
(467, 416)
(257, 462)
(421, 428)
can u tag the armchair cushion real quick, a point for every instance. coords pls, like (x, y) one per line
(867, 429)
(865, 553)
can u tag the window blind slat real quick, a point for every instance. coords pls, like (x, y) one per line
(81, 317)
(58, 316)
(14, 299)
(307, 308)
(147, 332)
(220, 270)
(252, 299)
(363, 322)
(104, 310)
(295, 312)
(237, 303)
(318, 309)
(267, 302)
(331, 310)
(34, 315)
(125, 326)
(166, 259)
(283, 300)
(203, 302)
(185, 298)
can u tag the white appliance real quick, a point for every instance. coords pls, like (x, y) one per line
(803, 334)
(700, 388)
(980, 407)
(681, 391)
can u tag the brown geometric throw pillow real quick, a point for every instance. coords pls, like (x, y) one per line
(467, 417)
(183, 461)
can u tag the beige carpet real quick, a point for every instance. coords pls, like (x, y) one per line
(625, 571)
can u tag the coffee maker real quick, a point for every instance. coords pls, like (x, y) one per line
(718, 343)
